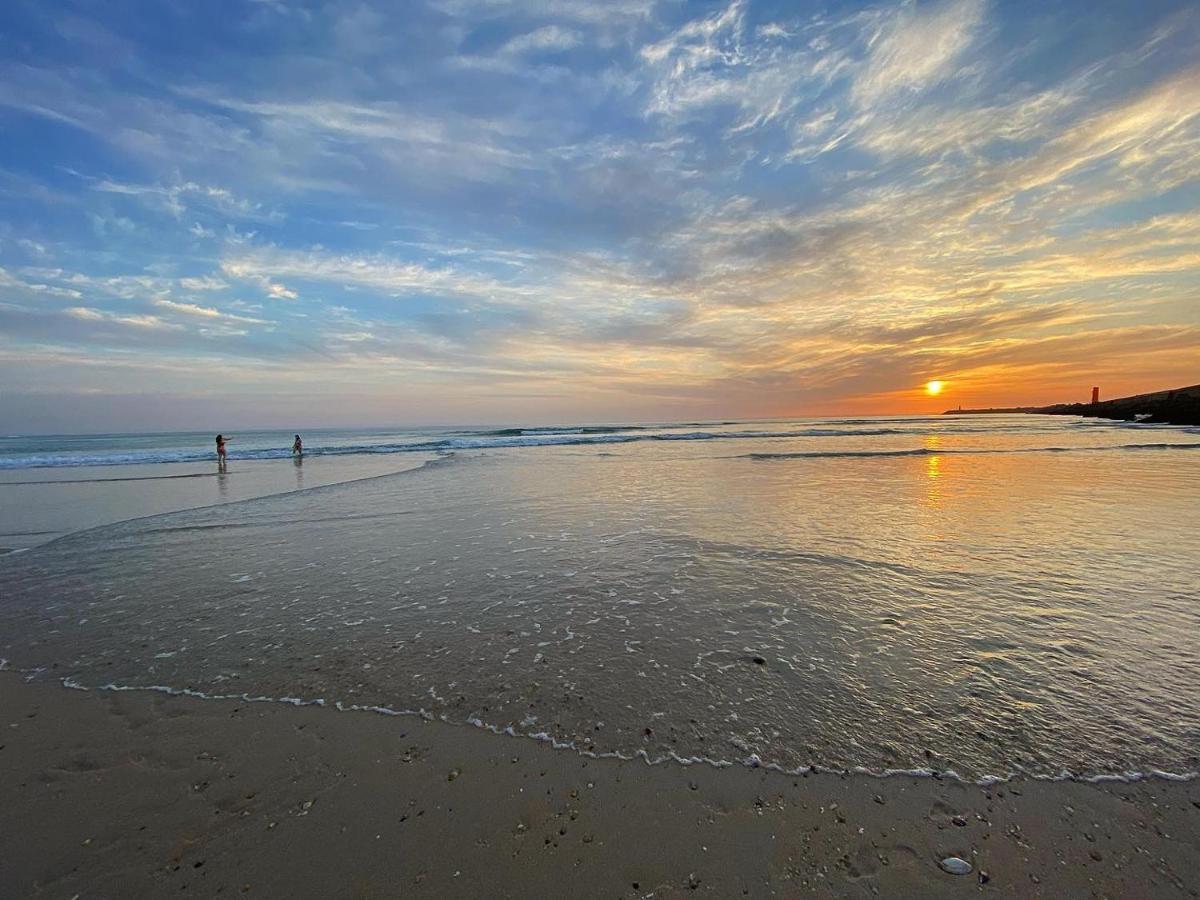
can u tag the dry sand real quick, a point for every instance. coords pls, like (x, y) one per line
(129, 795)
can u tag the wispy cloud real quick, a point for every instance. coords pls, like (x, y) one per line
(89, 314)
(917, 47)
(206, 312)
(377, 272)
(179, 198)
(547, 39)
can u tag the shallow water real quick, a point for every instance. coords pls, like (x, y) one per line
(918, 434)
(40, 504)
(986, 594)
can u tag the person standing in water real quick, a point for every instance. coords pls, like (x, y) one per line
(297, 447)
(221, 439)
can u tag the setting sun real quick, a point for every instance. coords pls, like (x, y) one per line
(933, 388)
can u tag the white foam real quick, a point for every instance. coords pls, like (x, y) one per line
(753, 760)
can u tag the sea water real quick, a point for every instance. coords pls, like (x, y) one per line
(986, 595)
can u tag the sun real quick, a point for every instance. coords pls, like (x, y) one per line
(933, 388)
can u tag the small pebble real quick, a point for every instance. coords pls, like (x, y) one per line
(955, 866)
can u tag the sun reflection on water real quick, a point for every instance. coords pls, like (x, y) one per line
(933, 472)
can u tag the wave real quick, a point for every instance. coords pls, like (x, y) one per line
(596, 429)
(564, 429)
(753, 760)
(501, 439)
(926, 451)
(550, 436)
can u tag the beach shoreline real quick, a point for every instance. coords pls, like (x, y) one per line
(143, 794)
(43, 504)
(831, 598)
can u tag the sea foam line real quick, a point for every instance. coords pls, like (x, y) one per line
(527, 439)
(753, 761)
(929, 451)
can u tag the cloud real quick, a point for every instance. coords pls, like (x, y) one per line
(12, 282)
(917, 48)
(33, 248)
(457, 145)
(202, 283)
(691, 63)
(1154, 127)
(375, 271)
(178, 199)
(279, 292)
(107, 226)
(71, 283)
(596, 13)
(82, 312)
(206, 312)
(547, 39)
(150, 322)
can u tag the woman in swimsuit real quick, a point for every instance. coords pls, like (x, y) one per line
(297, 447)
(221, 439)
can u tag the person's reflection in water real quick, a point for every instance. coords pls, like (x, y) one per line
(298, 463)
(223, 482)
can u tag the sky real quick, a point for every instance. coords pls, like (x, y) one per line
(279, 213)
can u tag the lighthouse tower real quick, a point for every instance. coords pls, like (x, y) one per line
(1095, 395)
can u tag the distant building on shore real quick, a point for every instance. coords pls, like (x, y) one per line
(1095, 395)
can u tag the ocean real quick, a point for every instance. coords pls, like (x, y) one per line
(967, 596)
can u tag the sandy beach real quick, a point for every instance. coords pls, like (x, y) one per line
(140, 794)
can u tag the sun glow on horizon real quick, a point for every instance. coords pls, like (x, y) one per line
(933, 388)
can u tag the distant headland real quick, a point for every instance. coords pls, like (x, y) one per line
(1180, 406)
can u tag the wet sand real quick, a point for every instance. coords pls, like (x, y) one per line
(39, 505)
(139, 794)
